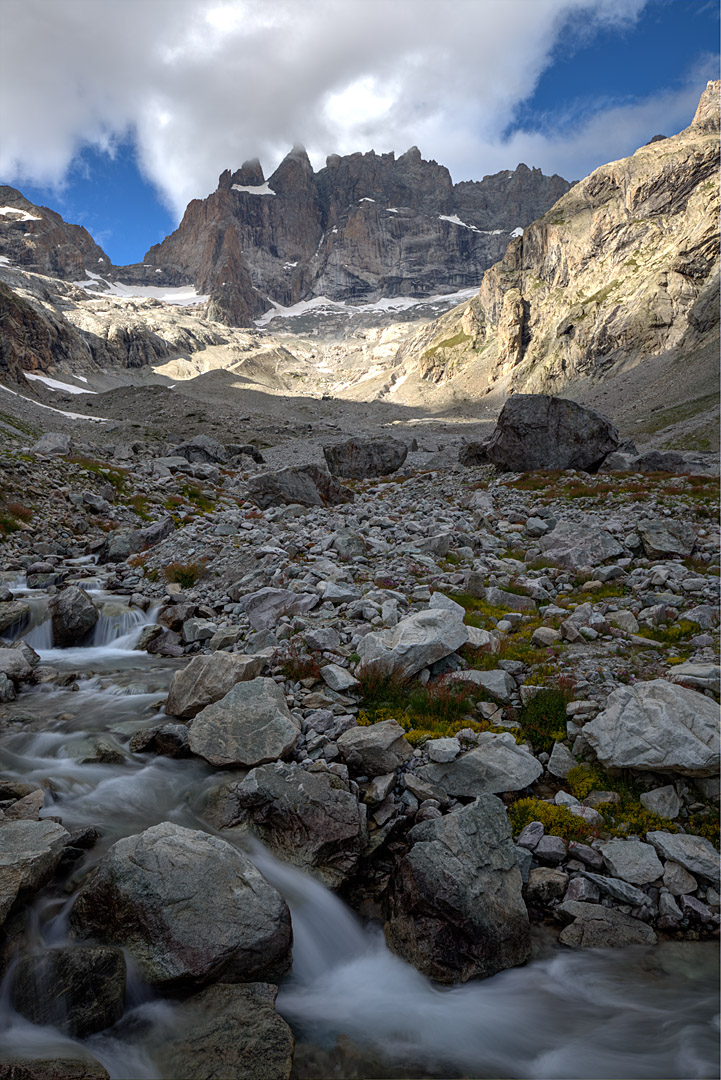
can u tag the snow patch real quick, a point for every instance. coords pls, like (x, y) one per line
(366, 199)
(391, 210)
(455, 220)
(23, 215)
(178, 296)
(70, 415)
(517, 232)
(289, 265)
(341, 307)
(4, 261)
(259, 189)
(55, 384)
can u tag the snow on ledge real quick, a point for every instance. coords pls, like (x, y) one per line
(259, 189)
(455, 220)
(55, 384)
(517, 232)
(388, 303)
(179, 295)
(23, 214)
(70, 415)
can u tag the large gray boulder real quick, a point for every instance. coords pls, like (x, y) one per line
(415, 642)
(632, 860)
(73, 616)
(29, 854)
(202, 449)
(79, 990)
(310, 819)
(308, 485)
(189, 909)
(228, 1031)
(597, 927)
(694, 853)
(11, 612)
(376, 749)
(659, 727)
(497, 764)
(574, 545)
(53, 444)
(267, 605)
(455, 908)
(208, 678)
(537, 431)
(360, 458)
(249, 726)
(664, 537)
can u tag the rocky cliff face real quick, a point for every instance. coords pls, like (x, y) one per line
(37, 239)
(625, 265)
(364, 227)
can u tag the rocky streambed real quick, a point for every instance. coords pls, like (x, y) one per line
(436, 756)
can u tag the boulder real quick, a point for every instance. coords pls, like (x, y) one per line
(474, 453)
(415, 642)
(171, 740)
(208, 678)
(82, 1067)
(455, 906)
(29, 854)
(545, 883)
(662, 801)
(53, 444)
(573, 545)
(12, 612)
(497, 764)
(694, 853)
(307, 485)
(266, 606)
(664, 537)
(361, 458)
(73, 616)
(14, 665)
(376, 749)
(248, 726)
(497, 682)
(228, 1031)
(537, 431)
(79, 990)
(202, 449)
(632, 861)
(597, 927)
(189, 909)
(310, 819)
(659, 727)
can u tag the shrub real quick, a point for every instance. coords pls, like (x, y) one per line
(184, 574)
(299, 665)
(543, 717)
(556, 820)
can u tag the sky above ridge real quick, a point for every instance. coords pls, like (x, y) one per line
(118, 112)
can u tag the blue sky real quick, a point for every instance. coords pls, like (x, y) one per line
(134, 107)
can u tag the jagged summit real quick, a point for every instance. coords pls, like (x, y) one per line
(363, 227)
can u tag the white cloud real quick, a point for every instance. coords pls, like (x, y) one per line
(202, 85)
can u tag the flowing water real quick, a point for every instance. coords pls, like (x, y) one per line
(356, 1009)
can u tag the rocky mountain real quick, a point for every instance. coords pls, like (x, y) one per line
(366, 226)
(37, 239)
(623, 267)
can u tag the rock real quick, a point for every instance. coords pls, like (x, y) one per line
(624, 620)
(248, 726)
(598, 927)
(537, 431)
(310, 819)
(545, 636)
(474, 453)
(376, 749)
(12, 612)
(442, 602)
(497, 682)
(573, 545)
(497, 764)
(171, 740)
(455, 906)
(202, 448)
(73, 616)
(208, 678)
(694, 853)
(267, 605)
(697, 912)
(29, 854)
(349, 544)
(664, 537)
(416, 642)
(631, 860)
(677, 880)
(79, 989)
(442, 750)
(530, 835)
(580, 888)
(187, 907)
(618, 889)
(509, 601)
(14, 665)
(545, 884)
(339, 679)
(68, 1068)
(561, 761)
(662, 801)
(228, 1031)
(659, 727)
(53, 444)
(697, 676)
(361, 458)
(551, 850)
(307, 485)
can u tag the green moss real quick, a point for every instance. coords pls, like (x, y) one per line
(543, 717)
(556, 820)
(670, 635)
(447, 343)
